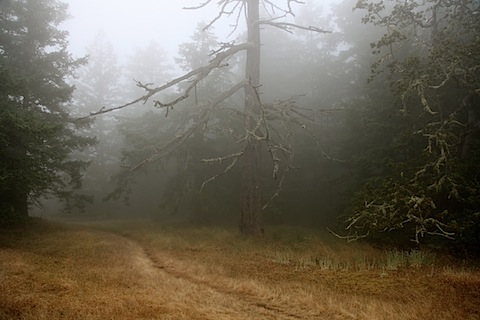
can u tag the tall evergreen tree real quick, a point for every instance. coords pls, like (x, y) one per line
(146, 66)
(98, 85)
(37, 134)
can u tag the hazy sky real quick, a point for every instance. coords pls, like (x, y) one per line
(129, 24)
(132, 24)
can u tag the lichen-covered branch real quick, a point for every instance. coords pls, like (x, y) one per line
(234, 156)
(288, 27)
(179, 140)
(194, 76)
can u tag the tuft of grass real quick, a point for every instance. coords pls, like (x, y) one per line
(395, 259)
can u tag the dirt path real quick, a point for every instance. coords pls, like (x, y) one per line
(226, 296)
(86, 273)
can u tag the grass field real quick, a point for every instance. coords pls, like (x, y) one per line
(139, 270)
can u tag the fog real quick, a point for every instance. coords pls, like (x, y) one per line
(188, 170)
(318, 112)
(133, 24)
(129, 25)
(123, 34)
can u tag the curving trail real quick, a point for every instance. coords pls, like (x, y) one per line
(225, 293)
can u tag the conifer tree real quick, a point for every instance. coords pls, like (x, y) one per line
(37, 133)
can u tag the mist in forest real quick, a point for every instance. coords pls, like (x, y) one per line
(167, 41)
(359, 116)
(238, 159)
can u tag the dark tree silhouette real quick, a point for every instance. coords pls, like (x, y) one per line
(36, 131)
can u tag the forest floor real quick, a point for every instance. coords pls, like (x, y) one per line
(139, 270)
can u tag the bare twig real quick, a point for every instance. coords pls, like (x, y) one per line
(198, 74)
(350, 238)
(286, 26)
(201, 5)
(235, 157)
(176, 142)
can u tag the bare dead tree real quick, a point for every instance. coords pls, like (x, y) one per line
(257, 115)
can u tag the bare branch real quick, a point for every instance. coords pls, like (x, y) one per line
(221, 159)
(180, 139)
(106, 110)
(237, 19)
(227, 94)
(173, 145)
(201, 73)
(279, 187)
(286, 26)
(201, 5)
(198, 74)
(235, 157)
(223, 11)
(289, 4)
(274, 7)
(349, 238)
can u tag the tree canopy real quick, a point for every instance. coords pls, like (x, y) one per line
(425, 179)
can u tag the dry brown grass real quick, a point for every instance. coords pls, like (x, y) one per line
(131, 270)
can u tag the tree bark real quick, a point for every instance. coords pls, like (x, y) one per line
(251, 190)
(471, 125)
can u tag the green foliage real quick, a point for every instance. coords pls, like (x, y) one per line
(36, 134)
(427, 184)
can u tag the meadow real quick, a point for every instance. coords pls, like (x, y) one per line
(145, 270)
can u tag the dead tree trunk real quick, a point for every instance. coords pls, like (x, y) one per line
(251, 189)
